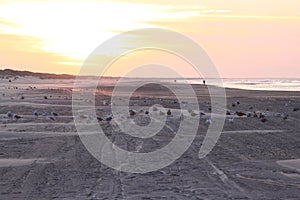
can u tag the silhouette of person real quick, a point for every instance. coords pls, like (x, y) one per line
(203, 82)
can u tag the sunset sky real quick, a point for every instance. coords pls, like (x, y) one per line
(244, 38)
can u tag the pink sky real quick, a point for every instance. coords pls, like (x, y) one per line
(245, 39)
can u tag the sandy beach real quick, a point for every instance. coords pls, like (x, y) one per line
(44, 158)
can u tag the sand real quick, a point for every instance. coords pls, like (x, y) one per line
(42, 159)
(293, 164)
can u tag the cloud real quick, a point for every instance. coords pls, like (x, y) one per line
(23, 52)
(4, 22)
(231, 30)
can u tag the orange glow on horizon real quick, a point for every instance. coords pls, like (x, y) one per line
(244, 39)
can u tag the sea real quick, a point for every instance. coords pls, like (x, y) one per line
(271, 84)
(256, 84)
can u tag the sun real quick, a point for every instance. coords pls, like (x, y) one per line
(75, 29)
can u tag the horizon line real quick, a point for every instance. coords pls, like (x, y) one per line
(143, 77)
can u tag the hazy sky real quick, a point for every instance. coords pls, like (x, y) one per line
(244, 38)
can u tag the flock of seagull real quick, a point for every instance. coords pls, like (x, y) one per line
(231, 114)
(207, 118)
(10, 116)
(255, 114)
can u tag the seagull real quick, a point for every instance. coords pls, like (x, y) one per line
(284, 116)
(249, 114)
(132, 112)
(35, 113)
(261, 115)
(99, 119)
(50, 118)
(4, 120)
(91, 116)
(190, 110)
(169, 112)
(230, 120)
(104, 103)
(240, 114)
(255, 114)
(82, 117)
(10, 114)
(15, 116)
(193, 114)
(181, 117)
(296, 109)
(54, 114)
(208, 121)
(202, 114)
(109, 118)
(264, 120)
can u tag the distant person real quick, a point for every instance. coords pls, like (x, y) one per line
(203, 82)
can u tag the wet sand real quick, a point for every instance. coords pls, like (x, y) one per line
(44, 159)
